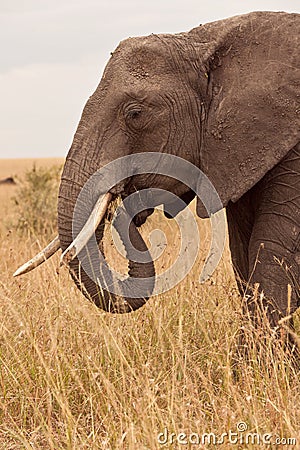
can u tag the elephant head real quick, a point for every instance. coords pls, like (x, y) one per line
(221, 96)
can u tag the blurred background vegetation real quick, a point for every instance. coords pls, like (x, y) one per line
(36, 201)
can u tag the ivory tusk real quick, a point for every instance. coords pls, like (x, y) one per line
(88, 230)
(38, 259)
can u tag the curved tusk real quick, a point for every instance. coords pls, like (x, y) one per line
(88, 230)
(38, 259)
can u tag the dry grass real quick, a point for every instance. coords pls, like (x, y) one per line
(73, 377)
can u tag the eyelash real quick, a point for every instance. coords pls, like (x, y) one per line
(133, 113)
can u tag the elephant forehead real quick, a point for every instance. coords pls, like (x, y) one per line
(143, 57)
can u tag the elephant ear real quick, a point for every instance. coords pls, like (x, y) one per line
(252, 111)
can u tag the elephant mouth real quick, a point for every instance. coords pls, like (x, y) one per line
(170, 205)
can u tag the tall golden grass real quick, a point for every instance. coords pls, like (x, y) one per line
(74, 377)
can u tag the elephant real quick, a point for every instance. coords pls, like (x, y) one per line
(224, 97)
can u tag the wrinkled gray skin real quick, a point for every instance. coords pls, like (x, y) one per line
(224, 96)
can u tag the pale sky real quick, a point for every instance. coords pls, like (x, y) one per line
(54, 51)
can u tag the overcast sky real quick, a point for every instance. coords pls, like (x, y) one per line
(54, 51)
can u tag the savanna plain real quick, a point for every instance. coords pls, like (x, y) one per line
(165, 376)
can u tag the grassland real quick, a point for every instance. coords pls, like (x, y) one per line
(74, 377)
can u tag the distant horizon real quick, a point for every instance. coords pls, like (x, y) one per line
(2, 158)
(16, 167)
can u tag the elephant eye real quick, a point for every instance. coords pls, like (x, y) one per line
(133, 113)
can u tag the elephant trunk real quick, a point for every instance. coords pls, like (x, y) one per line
(86, 263)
